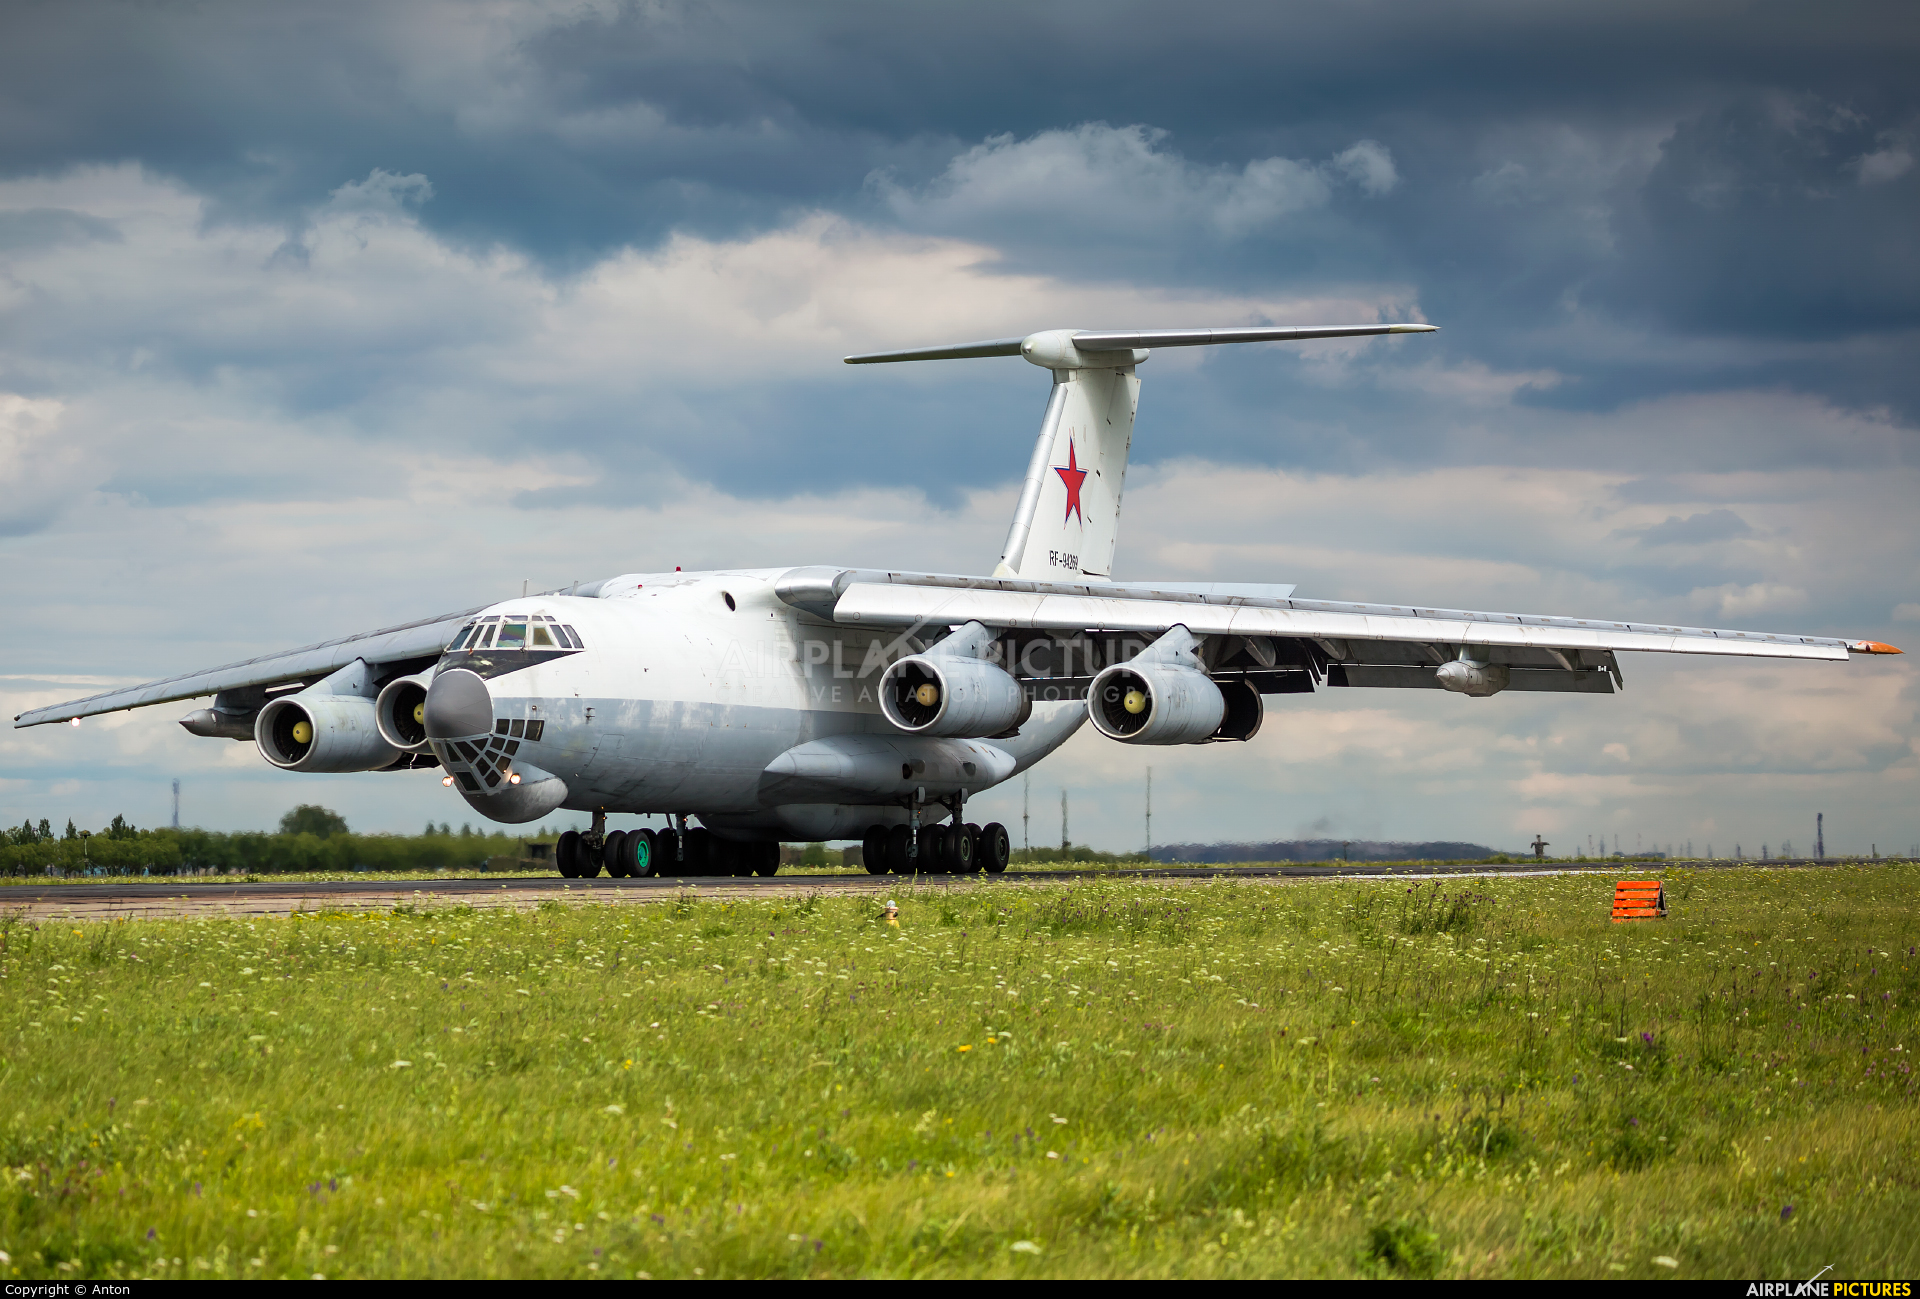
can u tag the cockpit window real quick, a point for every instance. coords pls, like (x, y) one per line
(479, 640)
(570, 635)
(513, 635)
(540, 637)
(461, 639)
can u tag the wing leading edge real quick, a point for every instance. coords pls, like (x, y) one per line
(422, 639)
(902, 600)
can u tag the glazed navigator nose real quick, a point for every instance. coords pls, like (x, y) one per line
(458, 705)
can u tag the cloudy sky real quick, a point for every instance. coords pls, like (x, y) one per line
(316, 318)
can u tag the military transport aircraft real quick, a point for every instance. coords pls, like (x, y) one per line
(833, 703)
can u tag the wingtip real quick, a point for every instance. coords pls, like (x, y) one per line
(1874, 647)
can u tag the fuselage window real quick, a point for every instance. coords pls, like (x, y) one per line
(513, 635)
(540, 637)
(574, 637)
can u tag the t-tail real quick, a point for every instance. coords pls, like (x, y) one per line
(1068, 519)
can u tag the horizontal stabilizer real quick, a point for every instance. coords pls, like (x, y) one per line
(1042, 348)
(954, 352)
(1118, 340)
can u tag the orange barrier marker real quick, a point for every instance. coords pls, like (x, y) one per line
(1639, 900)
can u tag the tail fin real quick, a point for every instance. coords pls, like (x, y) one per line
(1068, 519)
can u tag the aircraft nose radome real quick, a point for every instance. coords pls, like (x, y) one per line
(458, 705)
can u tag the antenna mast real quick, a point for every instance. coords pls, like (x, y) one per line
(176, 804)
(1149, 813)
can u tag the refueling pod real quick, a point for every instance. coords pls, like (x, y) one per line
(401, 712)
(1161, 697)
(330, 726)
(950, 691)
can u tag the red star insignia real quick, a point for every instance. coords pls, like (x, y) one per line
(1073, 476)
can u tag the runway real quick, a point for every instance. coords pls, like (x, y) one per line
(178, 897)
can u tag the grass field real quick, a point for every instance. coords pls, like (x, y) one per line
(1330, 1078)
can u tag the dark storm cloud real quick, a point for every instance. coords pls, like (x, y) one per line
(1633, 201)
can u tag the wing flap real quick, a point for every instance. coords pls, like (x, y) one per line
(422, 639)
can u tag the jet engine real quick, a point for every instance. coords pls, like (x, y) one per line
(948, 695)
(1156, 703)
(401, 712)
(317, 732)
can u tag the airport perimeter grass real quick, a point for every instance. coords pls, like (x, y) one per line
(1478, 1077)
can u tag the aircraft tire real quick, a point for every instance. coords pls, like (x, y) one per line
(933, 850)
(566, 854)
(897, 840)
(613, 853)
(699, 853)
(769, 862)
(957, 854)
(666, 847)
(873, 850)
(638, 855)
(994, 848)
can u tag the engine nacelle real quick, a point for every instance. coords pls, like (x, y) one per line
(1156, 703)
(401, 712)
(939, 695)
(1464, 676)
(311, 732)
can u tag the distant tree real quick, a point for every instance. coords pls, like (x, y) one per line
(446, 829)
(430, 830)
(46, 831)
(815, 854)
(311, 818)
(466, 830)
(121, 828)
(72, 831)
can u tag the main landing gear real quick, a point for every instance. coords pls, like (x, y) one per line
(682, 853)
(942, 849)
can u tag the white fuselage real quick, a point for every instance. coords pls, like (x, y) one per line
(690, 685)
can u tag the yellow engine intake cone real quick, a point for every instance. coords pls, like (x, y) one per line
(1135, 702)
(927, 695)
(303, 732)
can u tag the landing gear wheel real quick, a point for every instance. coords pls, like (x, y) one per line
(933, 842)
(566, 854)
(666, 854)
(727, 857)
(994, 848)
(957, 850)
(636, 855)
(590, 862)
(611, 853)
(769, 858)
(873, 850)
(897, 840)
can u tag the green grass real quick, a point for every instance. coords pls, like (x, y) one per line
(1328, 1078)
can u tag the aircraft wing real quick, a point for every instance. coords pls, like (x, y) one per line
(1338, 642)
(411, 640)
